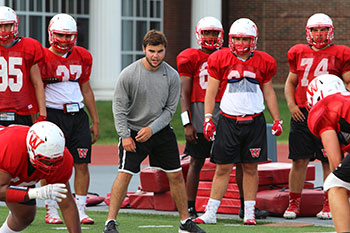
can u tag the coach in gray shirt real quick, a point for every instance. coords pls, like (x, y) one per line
(145, 100)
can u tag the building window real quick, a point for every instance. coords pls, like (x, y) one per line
(138, 17)
(34, 17)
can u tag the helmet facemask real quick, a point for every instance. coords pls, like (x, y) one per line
(241, 48)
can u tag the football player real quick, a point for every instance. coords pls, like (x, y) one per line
(245, 74)
(28, 154)
(192, 66)
(66, 72)
(21, 89)
(329, 119)
(307, 61)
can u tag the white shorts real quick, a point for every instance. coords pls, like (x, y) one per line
(333, 181)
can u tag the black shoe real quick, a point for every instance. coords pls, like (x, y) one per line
(259, 214)
(111, 227)
(190, 227)
(192, 212)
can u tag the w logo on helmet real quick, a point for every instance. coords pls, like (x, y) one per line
(255, 152)
(34, 140)
(82, 152)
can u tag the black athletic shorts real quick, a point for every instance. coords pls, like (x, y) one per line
(240, 142)
(76, 129)
(302, 143)
(201, 150)
(161, 148)
(343, 170)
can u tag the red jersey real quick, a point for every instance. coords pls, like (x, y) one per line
(76, 67)
(193, 63)
(308, 64)
(243, 96)
(329, 112)
(14, 159)
(16, 89)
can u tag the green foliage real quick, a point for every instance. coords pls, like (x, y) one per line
(131, 222)
(108, 134)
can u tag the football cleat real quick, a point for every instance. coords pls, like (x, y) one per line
(293, 209)
(206, 218)
(190, 227)
(52, 216)
(87, 220)
(111, 227)
(250, 221)
(325, 213)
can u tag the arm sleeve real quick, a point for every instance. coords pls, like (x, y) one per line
(120, 106)
(271, 70)
(346, 60)
(38, 52)
(170, 106)
(320, 119)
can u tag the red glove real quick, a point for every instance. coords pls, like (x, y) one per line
(40, 118)
(209, 129)
(277, 128)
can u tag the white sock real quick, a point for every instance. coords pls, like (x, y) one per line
(184, 221)
(81, 200)
(109, 220)
(249, 209)
(6, 229)
(213, 205)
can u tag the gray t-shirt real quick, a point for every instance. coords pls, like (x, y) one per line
(145, 98)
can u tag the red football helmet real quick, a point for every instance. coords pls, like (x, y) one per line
(8, 16)
(209, 24)
(45, 144)
(243, 27)
(62, 24)
(319, 39)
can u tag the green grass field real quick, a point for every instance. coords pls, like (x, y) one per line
(108, 134)
(151, 223)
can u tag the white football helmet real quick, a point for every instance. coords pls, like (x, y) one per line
(45, 144)
(8, 16)
(243, 27)
(209, 24)
(62, 24)
(319, 20)
(323, 86)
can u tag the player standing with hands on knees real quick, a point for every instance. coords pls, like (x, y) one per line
(245, 74)
(27, 155)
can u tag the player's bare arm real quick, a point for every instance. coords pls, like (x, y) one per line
(4, 183)
(185, 100)
(289, 91)
(37, 82)
(271, 100)
(210, 94)
(89, 101)
(331, 145)
(346, 79)
(70, 212)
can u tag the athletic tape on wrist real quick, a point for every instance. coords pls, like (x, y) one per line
(185, 118)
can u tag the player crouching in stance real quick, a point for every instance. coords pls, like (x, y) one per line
(329, 119)
(27, 155)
